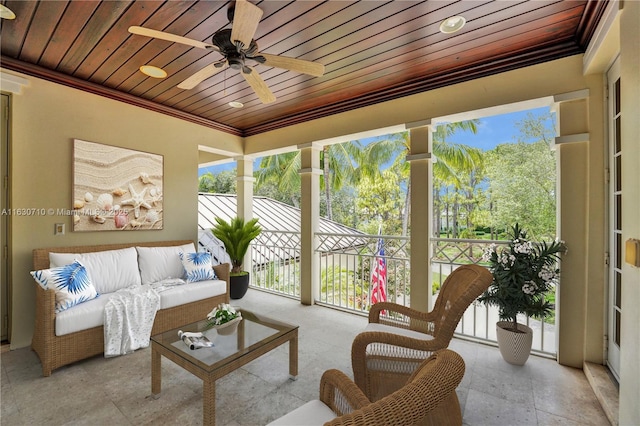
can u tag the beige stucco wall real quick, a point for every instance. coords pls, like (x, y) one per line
(46, 118)
(630, 328)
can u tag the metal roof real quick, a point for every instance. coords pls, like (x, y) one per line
(280, 223)
(274, 215)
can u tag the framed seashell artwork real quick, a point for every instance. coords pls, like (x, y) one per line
(116, 189)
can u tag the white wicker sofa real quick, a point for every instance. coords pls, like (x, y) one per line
(78, 333)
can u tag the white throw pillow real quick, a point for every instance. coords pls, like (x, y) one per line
(162, 263)
(70, 282)
(197, 266)
(109, 270)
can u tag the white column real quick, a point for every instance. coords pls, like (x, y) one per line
(244, 185)
(310, 212)
(572, 184)
(420, 135)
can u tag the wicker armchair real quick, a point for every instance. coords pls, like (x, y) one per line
(343, 403)
(397, 338)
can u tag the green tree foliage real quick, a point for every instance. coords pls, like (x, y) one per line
(457, 174)
(381, 199)
(282, 170)
(278, 177)
(522, 179)
(339, 169)
(222, 183)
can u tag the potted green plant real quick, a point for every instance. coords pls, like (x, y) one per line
(524, 272)
(224, 318)
(236, 236)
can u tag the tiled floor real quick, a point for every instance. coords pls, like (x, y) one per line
(115, 391)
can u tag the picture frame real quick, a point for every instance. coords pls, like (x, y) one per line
(116, 189)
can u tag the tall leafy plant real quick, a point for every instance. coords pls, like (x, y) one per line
(236, 236)
(523, 273)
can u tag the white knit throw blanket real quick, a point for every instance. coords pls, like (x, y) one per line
(128, 319)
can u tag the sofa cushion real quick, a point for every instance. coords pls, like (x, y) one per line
(91, 314)
(191, 292)
(314, 412)
(161, 263)
(197, 266)
(109, 270)
(71, 284)
(82, 317)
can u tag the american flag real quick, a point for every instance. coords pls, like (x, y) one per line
(379, 275)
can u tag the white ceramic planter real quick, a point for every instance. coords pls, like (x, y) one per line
(228, 327)
(515, 347)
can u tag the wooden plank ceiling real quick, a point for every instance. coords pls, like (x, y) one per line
(372, 51)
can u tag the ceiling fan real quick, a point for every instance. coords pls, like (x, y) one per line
(237, 46)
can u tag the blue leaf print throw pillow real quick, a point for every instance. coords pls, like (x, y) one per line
(70, 282)
(197, 266)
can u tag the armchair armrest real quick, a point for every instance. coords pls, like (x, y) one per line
(339, 393)
(390, 313)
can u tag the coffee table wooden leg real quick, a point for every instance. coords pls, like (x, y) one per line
(209, 402)
(156, 372)
(293, 358)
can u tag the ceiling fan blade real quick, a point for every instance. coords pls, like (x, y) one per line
(315, 69)
(259, 86)
(147, 32)
(245, 22)
(202, 75)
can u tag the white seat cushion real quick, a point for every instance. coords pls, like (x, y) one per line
(91, 314)
(374, 326)
(191, 292)
(83, 316)
(312, 413)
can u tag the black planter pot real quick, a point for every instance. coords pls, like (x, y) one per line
(238, 286)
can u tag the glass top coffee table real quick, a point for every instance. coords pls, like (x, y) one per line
(255, 336)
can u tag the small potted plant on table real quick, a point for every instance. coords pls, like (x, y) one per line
(224, 318)
(523, 273)
(236, 236)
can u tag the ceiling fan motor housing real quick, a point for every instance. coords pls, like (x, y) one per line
(222, 39)
(235, 58)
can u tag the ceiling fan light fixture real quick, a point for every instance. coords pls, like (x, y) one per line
(6, 13)
(452, 24)
(152, 71)
(235, 63)
(236, 104)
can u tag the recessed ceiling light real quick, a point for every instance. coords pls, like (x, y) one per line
(152, 71)
(453, 24)
(236, 104)
(6, 13)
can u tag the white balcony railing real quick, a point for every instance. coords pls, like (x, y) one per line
(345, 262)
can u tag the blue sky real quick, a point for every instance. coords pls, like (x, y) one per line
(492, 131)
(495, 130)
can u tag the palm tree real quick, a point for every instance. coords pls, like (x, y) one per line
(455, 162)
(283, 169)
(338, 168)
(336, 161)
(451, 158)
